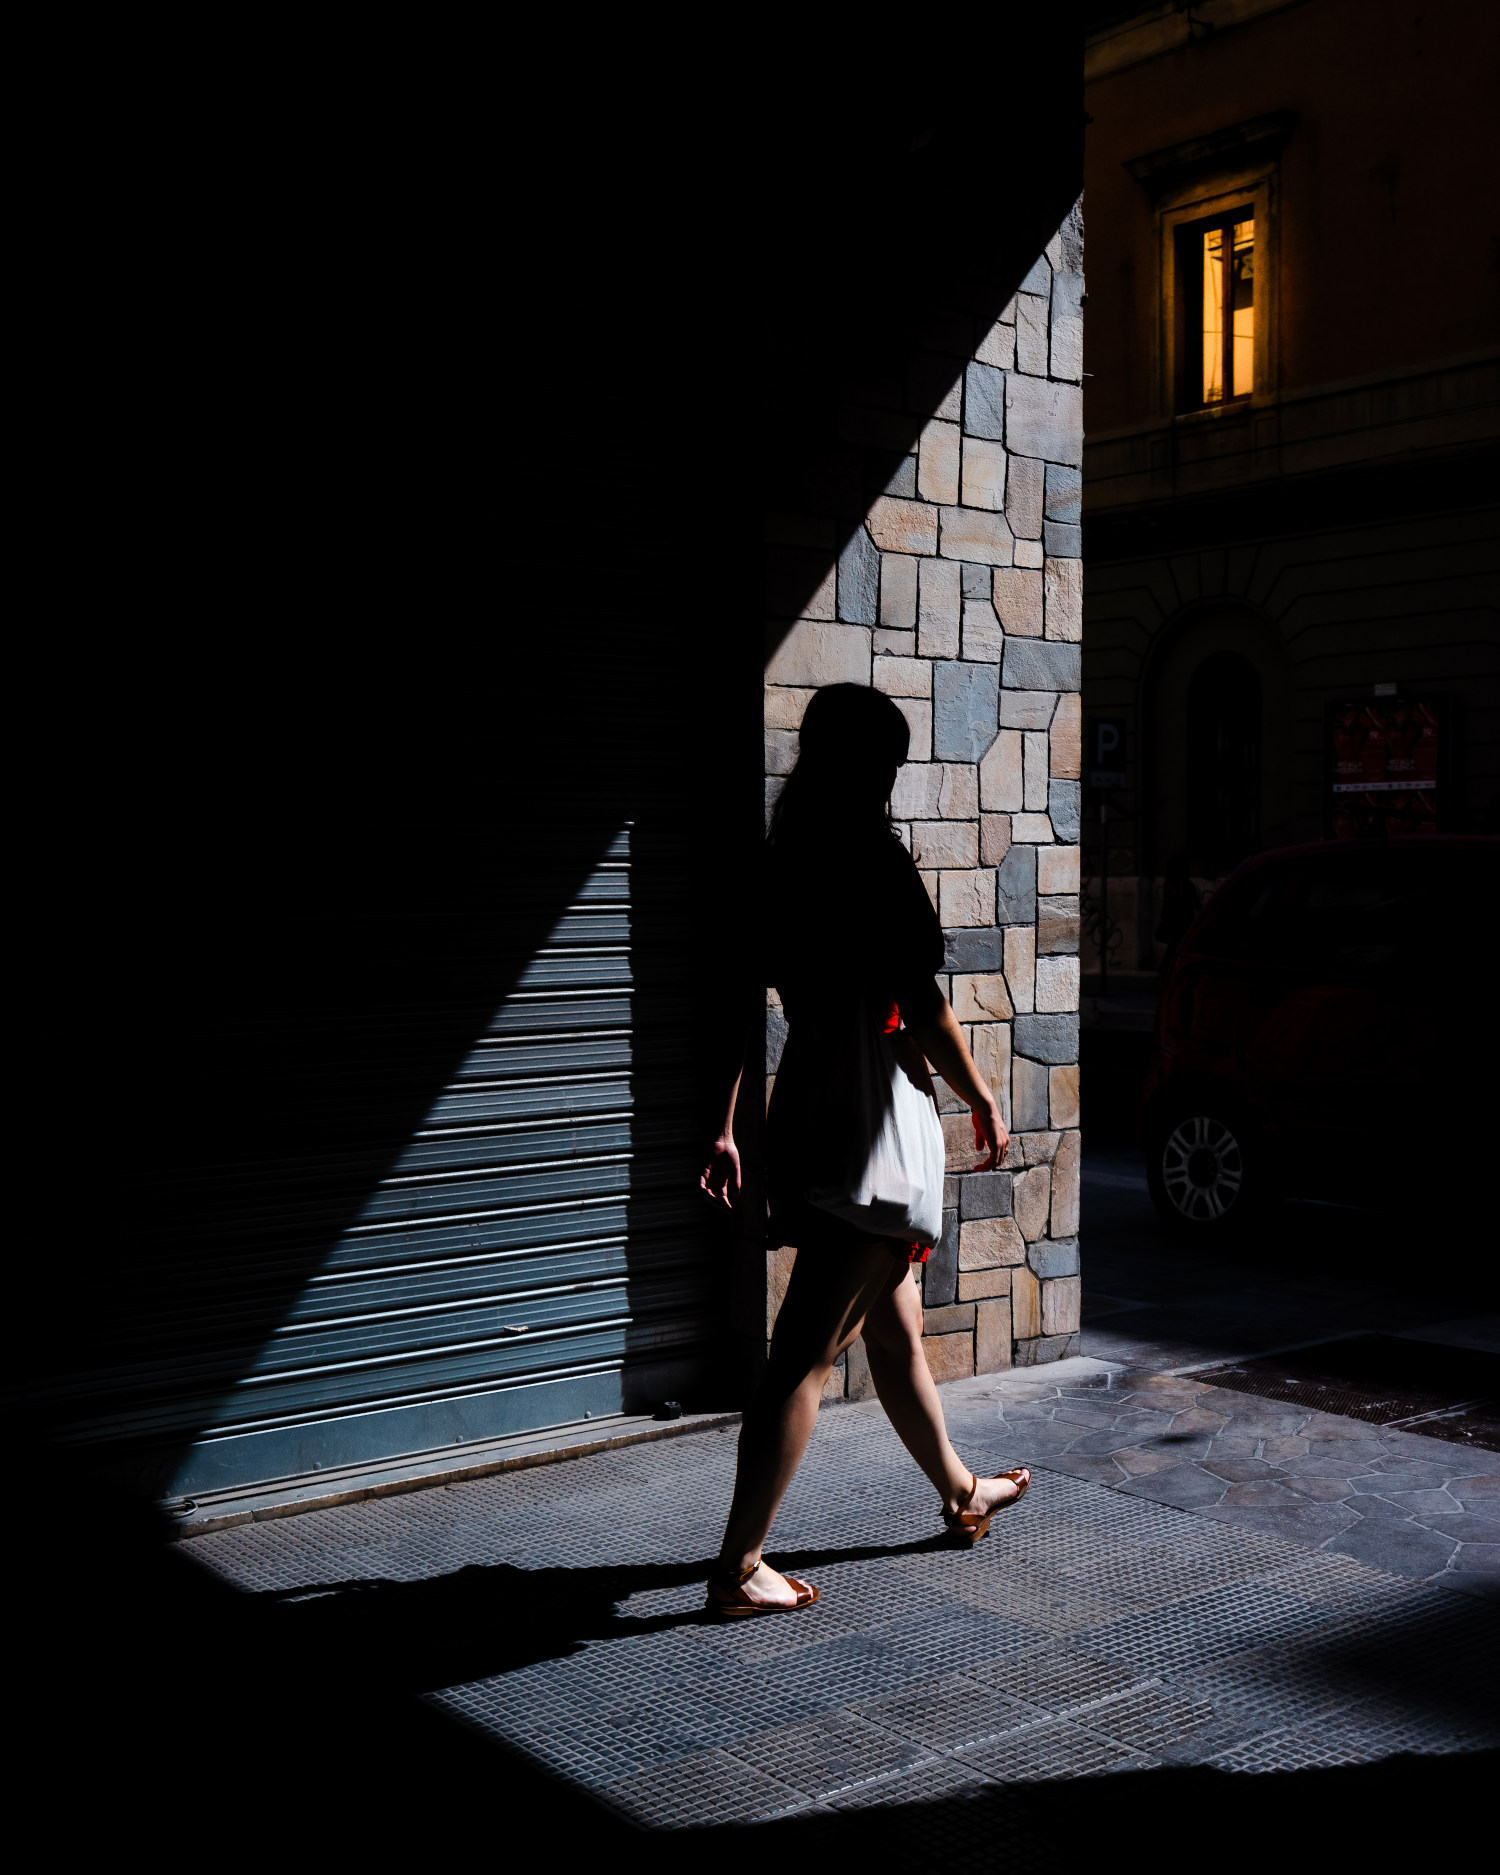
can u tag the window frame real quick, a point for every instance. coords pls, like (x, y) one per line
(1187, 211)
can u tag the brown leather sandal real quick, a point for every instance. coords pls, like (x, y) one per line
(728, 1602)
(969, 1525)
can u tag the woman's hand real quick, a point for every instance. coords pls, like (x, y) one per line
(720, 1178)
(990, 1135)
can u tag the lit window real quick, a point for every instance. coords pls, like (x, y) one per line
(1227, 333)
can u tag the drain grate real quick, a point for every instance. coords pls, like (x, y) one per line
(1385, 1380)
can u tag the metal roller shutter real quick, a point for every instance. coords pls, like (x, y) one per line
(530, 1257)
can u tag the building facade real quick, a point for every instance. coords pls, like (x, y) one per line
(1288, 489)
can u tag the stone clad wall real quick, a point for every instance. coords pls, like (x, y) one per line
(960, 596)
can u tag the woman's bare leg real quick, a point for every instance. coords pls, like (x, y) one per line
(826, 1303)
(903, 1380)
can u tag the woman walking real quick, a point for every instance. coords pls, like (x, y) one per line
(853, 948)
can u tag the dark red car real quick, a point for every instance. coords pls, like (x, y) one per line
(1326, 1031)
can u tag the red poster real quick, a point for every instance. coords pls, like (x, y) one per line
(1384, 768)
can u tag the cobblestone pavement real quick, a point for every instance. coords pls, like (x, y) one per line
(1095, 1631)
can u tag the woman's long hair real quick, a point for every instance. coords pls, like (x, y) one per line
(839, 792)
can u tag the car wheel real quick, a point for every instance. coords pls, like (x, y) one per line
(1201, 1170)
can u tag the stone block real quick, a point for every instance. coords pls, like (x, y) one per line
(903, 526)
(918, 714)
(992, 1336)
(940, 1272)
(1062, 1299)
(958, 1142)
(903, 677)
(778, 1275)
(1030, 554)
(1066, 359)
(1067, 738)
(1064, 494)
(975, 534)
(1057, 870)
(994, 838)
(833, 1386)
(1017, 593)
(938, 462)
(978, 950)
(1041, 418)
(983, 479)
(903, 479)
(1027, 709)
(898, 592)
(998, 346)
(813, 655)
(889, 644)
(1028, 1095)
(990, 1046)
(1070, 240)
(958, 792)
(943, 844)
(965, 710)
(934, 382)
(930, 887)
(987, 1243)
(939, 603)
(1031, 334)
(1025, 1305)
(949, 1357)
(976, 1285)
(915, 795)
(1039, 279)
(984, 1194)
(781, 751)
(1034, 771)
(1049, 1259)
(1062, 1095)
(784, 708)
(1035, 829)
(1020, 964)
(1031, 1199)
(859, 580)
(1049, 1038)
(1001, 774)
(1056, 985)
(1065, 1185)
(1057, 922)
(975, 581)
(981, 998)
(985, 403)
(1025, 493)
(800, 583)
(1063, 580)
(859, 1384)
(983, 641)
(1041, 664)
(1035, 1148)
(967, 898)
(775, 1038)
(1063, 541)
(1065, 809)
(1017, 886)
(949, 1320)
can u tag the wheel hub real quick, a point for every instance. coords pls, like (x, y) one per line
(1203, 1169)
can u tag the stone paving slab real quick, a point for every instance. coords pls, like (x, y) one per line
(1098, 1629)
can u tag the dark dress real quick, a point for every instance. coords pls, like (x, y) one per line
(849, 934)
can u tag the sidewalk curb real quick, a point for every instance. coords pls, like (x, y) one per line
(422, 1471)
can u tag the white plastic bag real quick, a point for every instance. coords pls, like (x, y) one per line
(894, 1187)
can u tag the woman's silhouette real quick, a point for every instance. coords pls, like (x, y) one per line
(852, 941)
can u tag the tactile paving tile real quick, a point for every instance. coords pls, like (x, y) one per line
(1055, 1605)
(938, 1777)
(952, 1638)
(709, 1787)
(1145, 1718)
(1351, 1737)
(1148, 1576)
(1332, 1582)
(1054, 1749)
(954, 1709)
(825, 1757)
(1056, 1679)
(1205, 1627)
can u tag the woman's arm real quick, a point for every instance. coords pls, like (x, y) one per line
(941, 1040)
(720, 1176)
